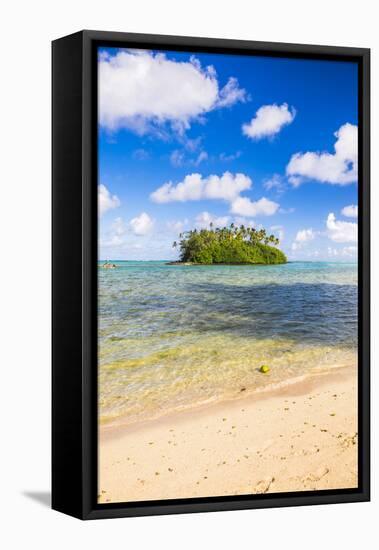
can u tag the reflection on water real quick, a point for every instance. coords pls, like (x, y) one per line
(174, 336)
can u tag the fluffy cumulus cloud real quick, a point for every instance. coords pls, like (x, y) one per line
(339, 168)
(106, 200)
(195, 187)
(341, 231)
(204, 219)
(142, 224)
(350, 211)
(120, 231)
(144, 91)
(243, 206)
(227, 187)
(268, 121)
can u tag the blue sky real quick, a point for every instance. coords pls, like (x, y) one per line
(185, 139)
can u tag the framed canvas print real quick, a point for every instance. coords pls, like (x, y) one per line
(210, 275)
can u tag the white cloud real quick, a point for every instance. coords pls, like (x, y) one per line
(295, 180)
(350, 211)
(340, 167)
(111, 241)
(239, 220)
(119, 228)
(349, 251)
(243, 206)
(177, 158)
(203, 155)
(177, 226)
(144, 91)
(268, 121)
(275, 183)
(191, 145)
(231, 93)
(121, 242)
(227, 158)
(106, 201)
(204, 219)
(142, 224)
(314, 254)
(305, 235)
(195, 187)
(345, 252)
(226, 187)
(114, 237)
(341, 232)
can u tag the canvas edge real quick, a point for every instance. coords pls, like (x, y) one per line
(86, 507)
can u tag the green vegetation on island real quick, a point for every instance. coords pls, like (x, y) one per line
(229, 245)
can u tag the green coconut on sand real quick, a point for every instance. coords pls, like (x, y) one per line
(264, 369)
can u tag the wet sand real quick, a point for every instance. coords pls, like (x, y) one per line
(301, 437)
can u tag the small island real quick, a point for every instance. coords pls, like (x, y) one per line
(233, 245)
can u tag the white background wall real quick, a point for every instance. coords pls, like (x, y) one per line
(27, 27)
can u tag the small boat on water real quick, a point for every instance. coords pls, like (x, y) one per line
(108, 265)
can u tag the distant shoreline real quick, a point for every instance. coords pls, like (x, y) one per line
(177, 262)
(216, 264)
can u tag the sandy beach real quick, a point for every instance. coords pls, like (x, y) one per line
(301, 437)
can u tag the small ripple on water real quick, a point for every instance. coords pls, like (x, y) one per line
(171, 336)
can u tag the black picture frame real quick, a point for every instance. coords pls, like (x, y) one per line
(74, 295)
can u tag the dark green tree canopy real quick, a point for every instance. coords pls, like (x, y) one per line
(229, 245)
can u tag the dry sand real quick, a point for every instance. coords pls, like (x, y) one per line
(303, 437)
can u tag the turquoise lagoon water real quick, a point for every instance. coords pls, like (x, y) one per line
(173, 337)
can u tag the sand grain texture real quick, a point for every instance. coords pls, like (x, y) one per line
(301, 438)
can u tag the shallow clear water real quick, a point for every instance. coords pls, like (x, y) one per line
(171, 337)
